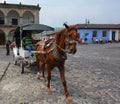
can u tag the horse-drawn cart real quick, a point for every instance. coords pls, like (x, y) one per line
(52, 53)
(25, 57)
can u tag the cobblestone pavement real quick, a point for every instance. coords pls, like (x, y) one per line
(92, 75)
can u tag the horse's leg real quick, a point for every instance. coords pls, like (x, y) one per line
(62, 75)
(43, 68)
(49, 77)
(38, 69)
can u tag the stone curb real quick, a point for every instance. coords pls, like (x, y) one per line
(4, 66)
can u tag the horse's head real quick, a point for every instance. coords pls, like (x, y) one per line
(71, 38)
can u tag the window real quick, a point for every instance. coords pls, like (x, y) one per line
(94, 34)
(104, 33)
(1, 20)
(14, 21)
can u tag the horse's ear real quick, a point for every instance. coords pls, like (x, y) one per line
(66, 25)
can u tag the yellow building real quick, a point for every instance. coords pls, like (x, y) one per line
(13, 15)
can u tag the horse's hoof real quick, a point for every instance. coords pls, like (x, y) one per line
(49, 90)
(42, 78)
(69, 98)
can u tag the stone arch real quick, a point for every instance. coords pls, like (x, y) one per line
(2, 37)
(2, 18)
(13, 18)
(28, 17)
(10, 35)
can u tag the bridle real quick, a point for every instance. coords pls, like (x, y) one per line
(57, 54)
(67, 43)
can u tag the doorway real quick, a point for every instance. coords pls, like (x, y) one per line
(113, 35)
(2, 38)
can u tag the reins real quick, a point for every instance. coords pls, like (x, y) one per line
(64, 50)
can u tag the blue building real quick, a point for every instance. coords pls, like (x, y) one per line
(93, 32)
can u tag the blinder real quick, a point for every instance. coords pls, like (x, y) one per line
(68, 41)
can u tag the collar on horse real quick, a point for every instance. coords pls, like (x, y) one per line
(56, 53)
(54, 50)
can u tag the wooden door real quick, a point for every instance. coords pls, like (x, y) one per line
(2, 38)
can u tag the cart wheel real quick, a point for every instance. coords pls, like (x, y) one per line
(22, 66)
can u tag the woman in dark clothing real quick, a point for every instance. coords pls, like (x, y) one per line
(16, 38)
(8, 48)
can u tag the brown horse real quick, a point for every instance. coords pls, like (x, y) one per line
(54, 54)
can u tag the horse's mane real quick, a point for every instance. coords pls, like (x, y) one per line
(63, 31)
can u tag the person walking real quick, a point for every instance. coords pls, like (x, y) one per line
(8, 48)
(17, 39)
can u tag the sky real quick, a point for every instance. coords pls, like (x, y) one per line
(56, 12)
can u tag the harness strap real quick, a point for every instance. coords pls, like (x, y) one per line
(61, 48)
(37, 52)
(57, 55)
(72, 42)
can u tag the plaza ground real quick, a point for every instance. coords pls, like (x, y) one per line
(92, 75)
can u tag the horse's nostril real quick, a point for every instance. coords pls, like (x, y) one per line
(73, 50)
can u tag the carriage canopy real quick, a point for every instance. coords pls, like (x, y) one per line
(36, 28)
